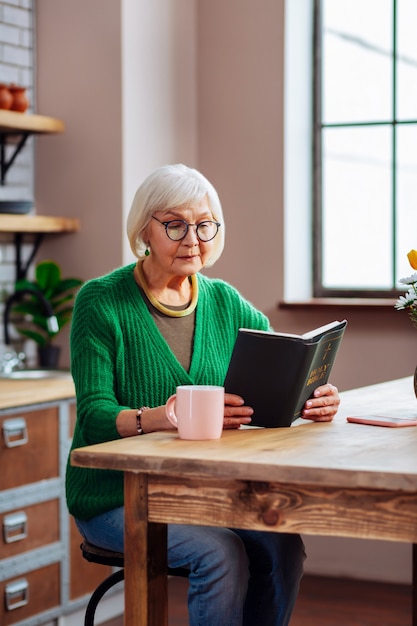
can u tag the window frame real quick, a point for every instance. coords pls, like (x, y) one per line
(320, 291)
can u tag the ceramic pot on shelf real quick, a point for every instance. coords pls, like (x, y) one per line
(6, 97)
(20, 100)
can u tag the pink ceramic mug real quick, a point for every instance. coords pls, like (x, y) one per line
(197, 411)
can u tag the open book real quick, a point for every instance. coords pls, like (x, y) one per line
(276, 373)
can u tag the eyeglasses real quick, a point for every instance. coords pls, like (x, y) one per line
(178, 229)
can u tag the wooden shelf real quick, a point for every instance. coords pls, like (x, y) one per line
(12, 123)
(15, 128)
(37, 224)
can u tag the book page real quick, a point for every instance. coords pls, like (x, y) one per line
(311, 334)
(320, 330)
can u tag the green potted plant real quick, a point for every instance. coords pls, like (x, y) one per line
(47, 304)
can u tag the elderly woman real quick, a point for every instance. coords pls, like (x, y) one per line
(137, 333)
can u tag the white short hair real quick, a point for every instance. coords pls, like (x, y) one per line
(168, 187)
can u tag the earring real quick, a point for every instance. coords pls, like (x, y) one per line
(147, 252)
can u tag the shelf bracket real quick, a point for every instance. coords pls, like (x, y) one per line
(4, 163)
(22, 269)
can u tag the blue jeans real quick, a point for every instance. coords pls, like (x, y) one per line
(237, 577)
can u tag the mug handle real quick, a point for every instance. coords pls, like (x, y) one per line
(169, 410)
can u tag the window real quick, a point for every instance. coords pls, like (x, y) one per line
(365, 145)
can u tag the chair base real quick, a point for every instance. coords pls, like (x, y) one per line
(94, 554)
(97, 595)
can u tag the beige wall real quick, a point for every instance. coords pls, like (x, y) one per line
(241, 78)
(79, 173)
(232, 95)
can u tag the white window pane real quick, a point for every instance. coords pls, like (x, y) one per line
(357, 60)
(407, 60)
(357, 200)
(406, 196)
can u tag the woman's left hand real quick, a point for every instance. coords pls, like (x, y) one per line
(324, 405)
(236, 412)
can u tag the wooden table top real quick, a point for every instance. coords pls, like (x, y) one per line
(333, 454)
(18, 393)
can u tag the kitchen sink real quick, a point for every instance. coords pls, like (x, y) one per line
(35, 374)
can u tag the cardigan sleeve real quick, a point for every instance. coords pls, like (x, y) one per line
(93, 358)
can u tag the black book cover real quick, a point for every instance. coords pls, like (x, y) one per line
(276, 373)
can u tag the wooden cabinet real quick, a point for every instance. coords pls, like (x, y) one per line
(32, 544)
(29, 447)
(30, 527)
(42, 573)
(29, 595)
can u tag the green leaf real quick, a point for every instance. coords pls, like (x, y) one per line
(31, 334)
(29, 307)
(56, 303)
(68, 283)
(48, 275)
(23, 283)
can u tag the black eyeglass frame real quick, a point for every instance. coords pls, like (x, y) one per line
(187, 225)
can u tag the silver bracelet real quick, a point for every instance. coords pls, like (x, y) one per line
(139, 419)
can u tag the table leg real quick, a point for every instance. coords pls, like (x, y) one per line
(414, 585)
(146, 591)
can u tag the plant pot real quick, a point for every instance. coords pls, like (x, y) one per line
(48, 356)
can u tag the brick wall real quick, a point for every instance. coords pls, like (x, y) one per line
(16, 66)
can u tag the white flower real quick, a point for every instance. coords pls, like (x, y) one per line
(404, 302)
(409, 280)
(409, 300)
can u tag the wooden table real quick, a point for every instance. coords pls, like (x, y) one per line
(334, 478)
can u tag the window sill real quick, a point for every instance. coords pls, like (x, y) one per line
(345, 303)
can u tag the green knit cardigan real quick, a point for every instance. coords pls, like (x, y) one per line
(120, 360)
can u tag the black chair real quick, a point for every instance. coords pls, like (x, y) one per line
(94, 554)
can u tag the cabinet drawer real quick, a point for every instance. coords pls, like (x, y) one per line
(29, 447)
(29, 527)
(29, 594)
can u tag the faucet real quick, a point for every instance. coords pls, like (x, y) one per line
(10, 361)
(51, 320)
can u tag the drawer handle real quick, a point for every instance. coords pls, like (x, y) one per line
(15, 432)
(15, 527)
(16, 594)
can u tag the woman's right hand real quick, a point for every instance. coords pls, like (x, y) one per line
(153, 420)
(235, 414)
(235, 411)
